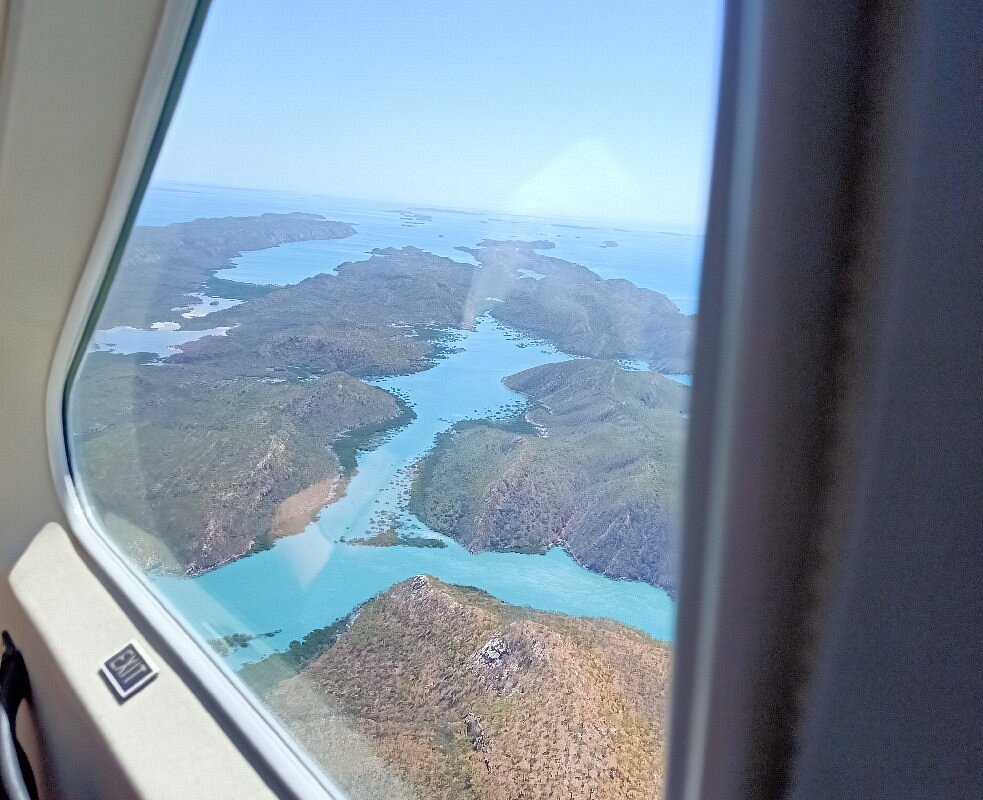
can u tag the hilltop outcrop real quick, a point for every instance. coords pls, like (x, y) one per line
(445, 693)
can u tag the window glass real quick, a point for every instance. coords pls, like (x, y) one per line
(389, 393)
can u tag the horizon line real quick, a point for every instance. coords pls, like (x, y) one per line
(653, 227)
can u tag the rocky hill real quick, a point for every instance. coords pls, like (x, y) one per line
(441, 692)
(193, 470)
(346, 321)
(375, 317)
(594, 470)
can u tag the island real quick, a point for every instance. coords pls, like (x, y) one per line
(591, 467)
(410, 218)
(392, 538)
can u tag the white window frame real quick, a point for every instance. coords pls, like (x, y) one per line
(271, 749)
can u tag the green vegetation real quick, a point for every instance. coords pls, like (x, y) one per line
(602, 319)
(463, 696)
(580, 313)
(263, 675)
(234, 290)
(384, 531)
(392, 538)
(162, 266)
(597, 477)
(394, 312)
(203, 464)
(242, 438)
(235, 641)
(349, 444)
(387, 315)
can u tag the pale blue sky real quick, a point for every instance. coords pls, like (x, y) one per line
(580, 110)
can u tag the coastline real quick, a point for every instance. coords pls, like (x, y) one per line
(298, 511)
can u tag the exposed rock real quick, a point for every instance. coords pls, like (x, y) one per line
(417, 678)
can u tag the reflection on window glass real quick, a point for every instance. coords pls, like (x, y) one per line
(397, 428)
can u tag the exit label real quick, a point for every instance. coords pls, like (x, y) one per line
(128, 671)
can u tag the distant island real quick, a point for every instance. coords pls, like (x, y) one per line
(575, 227)
(411, 218)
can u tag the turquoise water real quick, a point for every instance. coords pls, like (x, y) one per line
(291, 263)
(311, 579)
(637, 365)
(163, 341)
(206, 305)
(664, 262)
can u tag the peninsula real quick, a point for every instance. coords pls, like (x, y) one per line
(593, 470)
(163, 266)
(445, 693)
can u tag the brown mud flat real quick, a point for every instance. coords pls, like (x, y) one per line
(299, 510)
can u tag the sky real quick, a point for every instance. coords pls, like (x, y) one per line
(595, 111)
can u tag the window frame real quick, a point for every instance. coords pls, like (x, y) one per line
(729, 738)
(268, 746)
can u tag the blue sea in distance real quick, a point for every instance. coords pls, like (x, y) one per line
(311, 579)
(664, 262)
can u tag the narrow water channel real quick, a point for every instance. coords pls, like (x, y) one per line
(309, 580)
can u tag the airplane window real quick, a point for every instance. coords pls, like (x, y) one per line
(388, 396)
